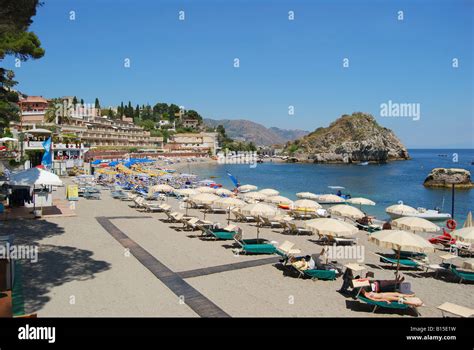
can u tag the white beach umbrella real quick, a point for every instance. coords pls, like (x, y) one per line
(269, 192)
(259, 209)
(400, 209)
(306, 205)
(205, 189)
(331, 227)
(415, 224)
(204, 198)
(247, 188)
(307, 195)
(35, 177)
(279, 200)
(360, 201)
(468, 222)
(255, 196)
(229, 202)
(465, 234)
(186, 192)
(399, 240)
(329, 199)
(223, 192)
(346, 211)
(160, 188)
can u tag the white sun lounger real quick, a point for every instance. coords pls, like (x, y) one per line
(457, 310)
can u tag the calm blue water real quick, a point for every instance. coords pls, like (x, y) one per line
(385, 184)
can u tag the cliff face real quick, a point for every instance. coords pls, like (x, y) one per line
(351, 138)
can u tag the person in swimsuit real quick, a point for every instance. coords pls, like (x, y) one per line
(408, 299)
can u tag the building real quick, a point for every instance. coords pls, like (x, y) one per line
(204, 142)
(95, 131)
(32, 110)
(190, 123)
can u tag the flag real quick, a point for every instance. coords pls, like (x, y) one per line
(234, 180)
(47, 159)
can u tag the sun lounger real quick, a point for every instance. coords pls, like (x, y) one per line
(456, 310)
(262, 246)
(91, 195)
(291, 228)
(385, 304)
(243, 218)
(192, 224)
(392, 259)
(462, 275)
(176, 216)
(269, 223)
(315, 274)
(226, 234)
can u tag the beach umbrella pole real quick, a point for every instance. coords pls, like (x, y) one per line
(398, 261)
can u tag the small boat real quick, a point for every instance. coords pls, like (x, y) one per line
(363, 163)
(428, 214)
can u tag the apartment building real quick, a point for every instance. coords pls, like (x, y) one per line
(32, 109)
(204, 142)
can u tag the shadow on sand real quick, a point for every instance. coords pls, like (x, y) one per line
(56, 265)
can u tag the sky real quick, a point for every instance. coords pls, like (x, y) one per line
(283, 62)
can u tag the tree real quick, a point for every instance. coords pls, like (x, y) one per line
(17, 41)
(192, 114)
(97, 103)
(56, 113)
(82, 102)
(74, 101)
(147, 124)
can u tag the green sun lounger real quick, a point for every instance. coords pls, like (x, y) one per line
(250, 246)
(383, 304)
(222, 235)
(327, 275)
(394, 261)
(463, 275)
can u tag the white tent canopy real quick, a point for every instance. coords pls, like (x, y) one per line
(35, 177)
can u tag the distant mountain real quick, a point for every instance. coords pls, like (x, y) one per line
(249, 131)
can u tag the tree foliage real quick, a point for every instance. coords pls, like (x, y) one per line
(15, 40)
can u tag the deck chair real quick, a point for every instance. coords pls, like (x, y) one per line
(192, 224)
(457, 310)
(269, 223)
(297, 230)
(386, 305)
(243, 218)
(226, 234)
(462, 275)
(175, 216)
(392, 259)
(254, 245)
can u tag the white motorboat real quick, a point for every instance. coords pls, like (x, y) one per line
(428, 214)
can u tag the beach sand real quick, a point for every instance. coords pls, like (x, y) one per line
(84, 271)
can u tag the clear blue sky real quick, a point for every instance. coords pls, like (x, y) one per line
(283, 62)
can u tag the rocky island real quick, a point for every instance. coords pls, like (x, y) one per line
(446, 177)
(350, 139)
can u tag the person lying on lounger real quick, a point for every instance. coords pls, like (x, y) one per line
(378, 286)
(302, 263)
(408, 299)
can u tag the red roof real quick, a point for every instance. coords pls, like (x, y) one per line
(34, 99)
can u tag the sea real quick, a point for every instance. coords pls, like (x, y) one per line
(385, 184)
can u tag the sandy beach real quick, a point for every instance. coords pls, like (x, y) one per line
(84, 271)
